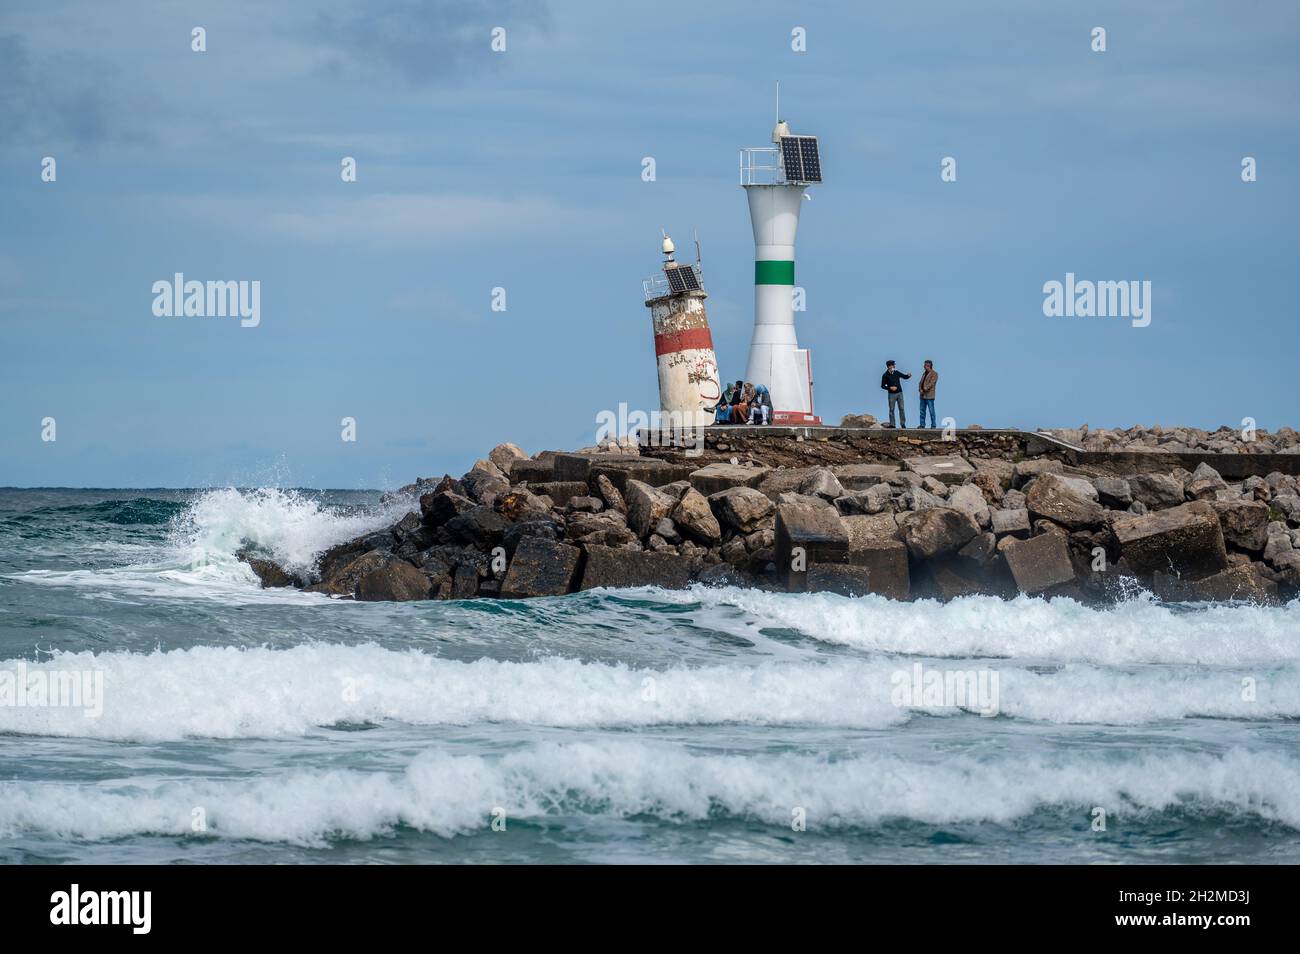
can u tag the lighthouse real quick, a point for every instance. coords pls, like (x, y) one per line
(688, 369)
(775, 179)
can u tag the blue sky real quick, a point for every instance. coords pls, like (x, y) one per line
(522, 170)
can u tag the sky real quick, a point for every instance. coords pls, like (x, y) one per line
(521, 169)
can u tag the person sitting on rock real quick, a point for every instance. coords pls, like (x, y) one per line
(760, 411)
(737, 395)
(722, 410)
(892, 382)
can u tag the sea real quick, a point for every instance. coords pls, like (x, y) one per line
(158, 706)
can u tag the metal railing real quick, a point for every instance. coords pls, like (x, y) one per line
(761, 165)
(656, 286)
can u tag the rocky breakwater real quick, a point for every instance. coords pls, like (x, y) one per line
(941, 527)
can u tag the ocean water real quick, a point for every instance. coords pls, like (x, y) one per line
(237, 724)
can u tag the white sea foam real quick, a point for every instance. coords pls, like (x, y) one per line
(227, 692)
(1136, 631)
(200, 558)
(457, 794)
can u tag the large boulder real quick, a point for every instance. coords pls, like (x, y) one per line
(1241, 582)
(936, 531)
(540, 567)
(504, 456)
(853, 580)
(1113, 492)
(717, 477)
(1244, 523)
(481, 527)
(1064, 500)
(694, 517)
(646, 506)
(437, 508)
(1157, 491)
(1026, 470)
(743, 509)
(1040, 562)
(537, 471)
(561, 491)
(1014, 522)
(970, 498)
(1185, 540)
(609, 567)
(806, 534)
(647, 470)
(484, 486)
(270, 573)
(394, 580)
(339, 576)
(821, 483)
(862, 476)
(876, 545)
(950, 469)
(607, 492)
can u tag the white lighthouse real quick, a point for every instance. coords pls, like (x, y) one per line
(775, 179)
(688, 368)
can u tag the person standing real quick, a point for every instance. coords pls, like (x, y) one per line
(929, 378)
(892, 383)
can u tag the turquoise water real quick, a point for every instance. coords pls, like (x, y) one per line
(244, 725)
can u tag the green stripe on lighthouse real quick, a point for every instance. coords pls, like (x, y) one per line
(773, 273)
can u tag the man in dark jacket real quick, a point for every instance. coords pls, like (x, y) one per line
(892, 383)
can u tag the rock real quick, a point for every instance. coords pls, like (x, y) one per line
(1204, 483)
(1244, 523)
(1002, 471)
(937, 531)
(667, 531)
(1185, 540)
(743, 509)
(675, 489)
(875, 543)
(784, 480)
(858, 420)
(339, 577)
(970, 499)
(1277, 544)
(950, 582)
(1014, 500)
(918, 499)
(270, 573)
(821, 483)
(1241, 582)
(1039, 563)
(1010, 522)
(622, 568)
(989, 486)
(609, 493)
(870, 501)
(488, 467)
(646, 470)
(464, 583)
(1027, 470)
(807, 534)
(980, 550)
(437, 508)
(717, 477)
(395, 580)
(543, 527)
(862, 476)
(504, 457)
(537, 471)
(519, 504)
(841, 578)
(722, 574)
(586, 504)
(935, 486)
(646, 506)
(483, 485)
(561, 491)
(482, 527)
(1063, 501)
(950, 470)
(1156, 491)
(694, 517)
(540, 567)
(1113, 492)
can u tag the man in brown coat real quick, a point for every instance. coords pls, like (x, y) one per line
(929, 378)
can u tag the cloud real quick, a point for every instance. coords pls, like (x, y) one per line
(421, 40)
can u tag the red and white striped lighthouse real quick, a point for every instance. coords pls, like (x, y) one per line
(689, 384)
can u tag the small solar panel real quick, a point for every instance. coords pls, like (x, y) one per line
(812, 166)
(681, 278)
(800, 160)
(790, 158)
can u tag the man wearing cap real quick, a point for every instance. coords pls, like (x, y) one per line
(892, 383)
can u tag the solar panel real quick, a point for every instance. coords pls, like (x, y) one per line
(800, 160)
(812, 166)
(681, 278)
